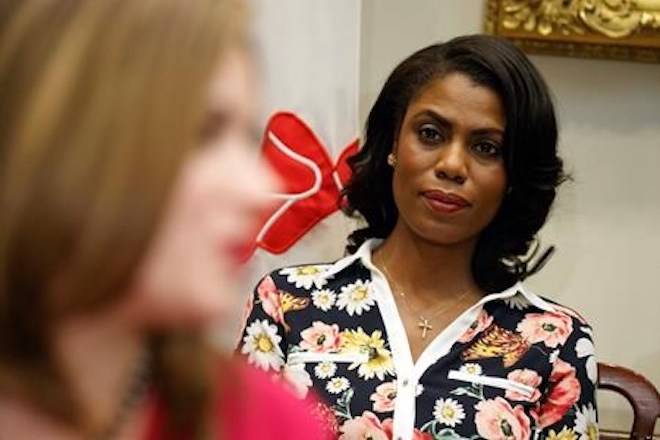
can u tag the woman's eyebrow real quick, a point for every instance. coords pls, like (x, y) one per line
(447, 123)
(437, 117)
(489, 131)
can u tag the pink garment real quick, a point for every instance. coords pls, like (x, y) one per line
(263, 411)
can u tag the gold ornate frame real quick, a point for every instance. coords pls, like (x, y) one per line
(615, 29)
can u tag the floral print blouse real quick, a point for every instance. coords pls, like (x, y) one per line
(513, 366)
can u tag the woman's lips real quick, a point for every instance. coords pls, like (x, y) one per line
(445, 203)
(237, 252)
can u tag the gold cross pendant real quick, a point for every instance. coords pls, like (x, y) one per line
(424, 325)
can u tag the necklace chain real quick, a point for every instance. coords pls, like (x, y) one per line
(423, 323)
(131, 398)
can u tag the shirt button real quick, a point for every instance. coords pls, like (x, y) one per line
(405, 382)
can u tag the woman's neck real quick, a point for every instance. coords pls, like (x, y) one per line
(99, 356)
(426, 270)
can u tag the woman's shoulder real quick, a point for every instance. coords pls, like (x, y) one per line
(263, 409)
(580, 339)
(305, 276)
(575, 315)
(563, 326)
(527, 301)
(537, 317)
(309, 277)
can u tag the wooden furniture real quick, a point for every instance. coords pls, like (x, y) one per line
(638, 391)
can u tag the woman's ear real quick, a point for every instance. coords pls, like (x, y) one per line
(391, 160)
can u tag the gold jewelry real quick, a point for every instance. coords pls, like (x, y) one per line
(391, 159)
(423, 323)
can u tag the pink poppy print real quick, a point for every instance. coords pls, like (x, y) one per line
(269, 296)
(482, 322)
(497, 420)
(551, 328)
(526, 377)
(564, 392)
(366, 426)
(384, 397)
(321, 338)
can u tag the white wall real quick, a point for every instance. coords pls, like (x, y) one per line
(606, 224)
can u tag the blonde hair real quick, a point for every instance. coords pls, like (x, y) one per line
(101, 101)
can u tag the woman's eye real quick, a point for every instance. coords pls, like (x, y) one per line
(213, 126)
(488, 149)
(430, 134)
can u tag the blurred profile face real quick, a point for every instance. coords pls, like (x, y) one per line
(189, 272)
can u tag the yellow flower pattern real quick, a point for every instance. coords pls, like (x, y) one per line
(564, 434)
(378, 358)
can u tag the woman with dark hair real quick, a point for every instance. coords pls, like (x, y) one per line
(426, 330)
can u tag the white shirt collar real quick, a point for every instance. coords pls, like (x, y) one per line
(364, 255)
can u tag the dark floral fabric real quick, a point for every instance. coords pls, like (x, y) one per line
(513, 366)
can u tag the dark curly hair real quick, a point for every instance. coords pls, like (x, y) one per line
(533, 167)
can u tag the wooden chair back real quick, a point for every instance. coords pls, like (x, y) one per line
(638, 391)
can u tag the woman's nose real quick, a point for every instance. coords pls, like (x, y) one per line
(452, 162)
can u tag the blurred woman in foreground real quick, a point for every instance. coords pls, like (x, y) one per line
(123, 128)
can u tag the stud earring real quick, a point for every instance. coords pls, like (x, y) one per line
(391, 159)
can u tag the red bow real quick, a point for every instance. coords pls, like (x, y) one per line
(311, 182)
